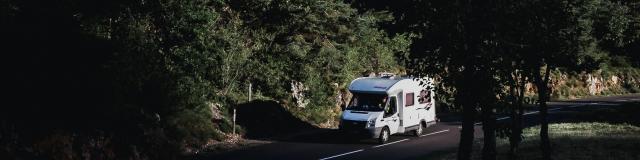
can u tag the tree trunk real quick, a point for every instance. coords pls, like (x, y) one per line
(513, 141)
(517, 111)
(466, 136)
(543, 96)
(465, 95)
(513, 138)
(467, 89)
(488, 127)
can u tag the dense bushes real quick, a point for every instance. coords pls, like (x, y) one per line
(148, 77)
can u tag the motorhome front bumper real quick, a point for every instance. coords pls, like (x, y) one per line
(359, 127)
(374, 132)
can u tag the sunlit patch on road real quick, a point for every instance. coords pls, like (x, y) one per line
(442, 131)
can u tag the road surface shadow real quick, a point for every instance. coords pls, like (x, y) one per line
(327, 136)
(268, 120)
(603, 111)
(624, 113)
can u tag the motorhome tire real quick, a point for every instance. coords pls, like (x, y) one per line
(418, 131)
(384, 135)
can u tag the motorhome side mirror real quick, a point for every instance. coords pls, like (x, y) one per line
(343, 107)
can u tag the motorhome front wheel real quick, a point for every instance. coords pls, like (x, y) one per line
(384, 135)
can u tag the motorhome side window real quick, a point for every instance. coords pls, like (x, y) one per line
(391, 108)
(367, 102)
(408, 99)
(425, 97)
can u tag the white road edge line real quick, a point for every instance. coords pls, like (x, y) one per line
(535, 112)
(574, 106)
(398, 141)
(390, 143)
(356, 151)
(555, 109)
(503, 118)
(446, 130)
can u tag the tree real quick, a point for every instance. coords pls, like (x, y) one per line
(150, 74)
(559, 35)
(450, 46)
(317, 44)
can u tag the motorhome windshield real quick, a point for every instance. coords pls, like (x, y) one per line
(367, 102)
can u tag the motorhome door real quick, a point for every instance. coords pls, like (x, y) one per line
(401, 111)
(390, 117)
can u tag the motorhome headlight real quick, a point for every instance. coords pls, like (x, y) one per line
(371, 123)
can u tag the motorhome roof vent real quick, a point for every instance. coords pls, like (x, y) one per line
(386, 75)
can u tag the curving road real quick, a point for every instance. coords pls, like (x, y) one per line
(328, 144)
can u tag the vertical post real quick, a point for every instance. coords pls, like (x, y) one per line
(234, 120)
(249, 91)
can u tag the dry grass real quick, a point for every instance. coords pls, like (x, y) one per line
(576, 141)
(581, 141)
(230, 143)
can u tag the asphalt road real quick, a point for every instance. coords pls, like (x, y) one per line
(328, 144)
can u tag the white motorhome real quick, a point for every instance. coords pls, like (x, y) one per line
(382, 106)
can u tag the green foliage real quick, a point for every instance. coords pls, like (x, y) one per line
(164, 68)
(316, 43)
(206, 50)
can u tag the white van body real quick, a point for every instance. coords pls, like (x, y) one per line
(371, 109)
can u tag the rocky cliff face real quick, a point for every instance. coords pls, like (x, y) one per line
(570, 86)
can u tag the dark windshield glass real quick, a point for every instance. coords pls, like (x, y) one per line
(367, 102)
